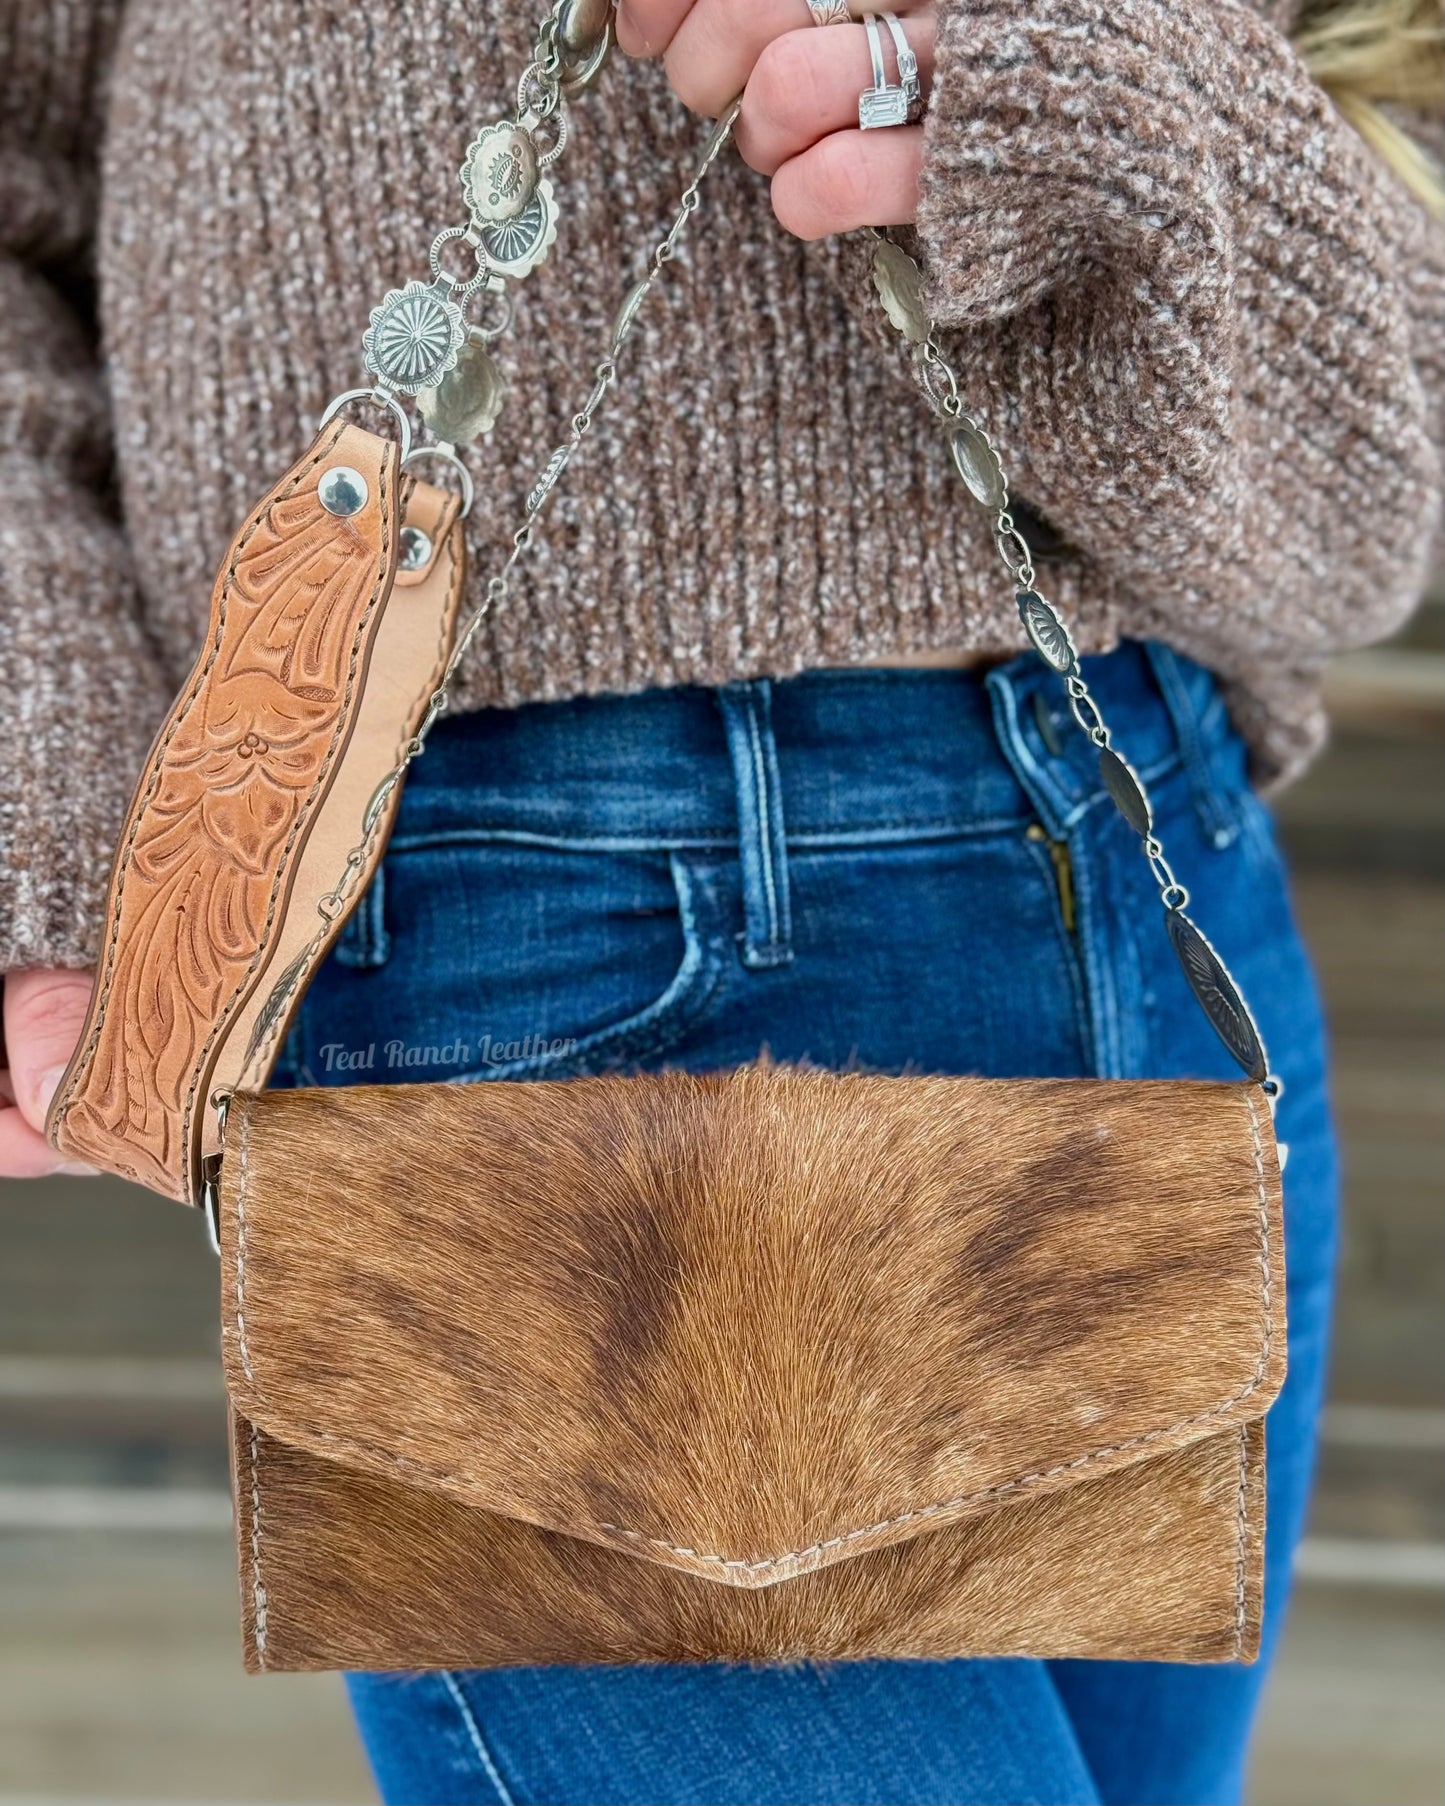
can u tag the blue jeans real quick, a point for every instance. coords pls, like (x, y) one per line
(898, 869)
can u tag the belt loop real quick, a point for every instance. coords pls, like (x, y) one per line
(747, 712)
(1218, 816)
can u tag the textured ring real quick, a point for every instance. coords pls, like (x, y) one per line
(883, 104)
(908, 78)
(830, 12)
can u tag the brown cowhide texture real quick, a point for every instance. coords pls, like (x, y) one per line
(762, 1366)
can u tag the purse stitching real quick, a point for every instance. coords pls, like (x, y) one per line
(258, 1589)
(83, 1065)
(243, 1157)
(1241, 1515)
(813, 1551)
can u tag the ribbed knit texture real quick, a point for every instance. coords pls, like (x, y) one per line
(1205, 327)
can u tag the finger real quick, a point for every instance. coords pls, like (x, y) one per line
(713, 51)
(26, 1154)
(44, 1014)
(715, 46)
(646, 27)
(806, 84)
(849, 180)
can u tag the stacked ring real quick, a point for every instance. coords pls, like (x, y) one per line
(830, 12)
(883, 104)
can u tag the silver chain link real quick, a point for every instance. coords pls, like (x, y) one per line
(1217, 993)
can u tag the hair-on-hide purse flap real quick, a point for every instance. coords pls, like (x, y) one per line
(755, 1365)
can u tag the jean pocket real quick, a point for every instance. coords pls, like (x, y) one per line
(508, 960)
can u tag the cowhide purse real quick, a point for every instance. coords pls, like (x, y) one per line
(762, 1365)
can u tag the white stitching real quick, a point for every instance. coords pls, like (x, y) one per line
(258, 1590)
(243, 1154)
(814, 1551)
(1241, 1516)
(1242, 1503)
(474, 1731)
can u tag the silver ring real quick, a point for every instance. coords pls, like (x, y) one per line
(379, 398)
(885, 104)
(830, 12)
(446, 455)
(908, 77)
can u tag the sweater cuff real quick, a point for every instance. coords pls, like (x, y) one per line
(81, 696)
(1071, 134)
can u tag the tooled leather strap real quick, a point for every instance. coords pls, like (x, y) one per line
(409, 652)
(320, 654)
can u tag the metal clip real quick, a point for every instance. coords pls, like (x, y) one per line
(210, 1198)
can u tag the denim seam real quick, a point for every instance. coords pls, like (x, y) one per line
(478, 1742)
(773, 881)
(929, 830)
(1101, 977)
(814, 1553)
(883, 833)
(1220, 824)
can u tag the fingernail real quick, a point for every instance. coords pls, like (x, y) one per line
(78, 1169)
(48, 1085)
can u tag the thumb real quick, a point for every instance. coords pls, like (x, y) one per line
(44, 1014)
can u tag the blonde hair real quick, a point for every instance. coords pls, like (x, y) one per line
(1372, 55)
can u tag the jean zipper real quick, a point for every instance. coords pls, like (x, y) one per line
(1063, 865)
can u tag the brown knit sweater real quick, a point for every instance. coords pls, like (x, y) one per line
(1206, 327)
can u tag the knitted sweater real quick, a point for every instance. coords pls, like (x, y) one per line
(1205, 327)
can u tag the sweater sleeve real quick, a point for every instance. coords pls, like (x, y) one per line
(81, 690)
(1206, 324)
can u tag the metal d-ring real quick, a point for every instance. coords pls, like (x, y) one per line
(447, 456)
(379, 398)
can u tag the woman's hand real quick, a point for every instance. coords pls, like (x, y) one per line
(44, 1014)
(800, 85)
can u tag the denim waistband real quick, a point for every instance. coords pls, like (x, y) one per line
(850, 756)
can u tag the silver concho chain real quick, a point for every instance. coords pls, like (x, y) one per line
(431, 339)
(420, 344)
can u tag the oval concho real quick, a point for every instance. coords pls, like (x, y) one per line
(899, 283)
(977, 463)
(550, 477)
(1221, 1002)
(1125, 791)
(626, 314)
(1046, 631)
